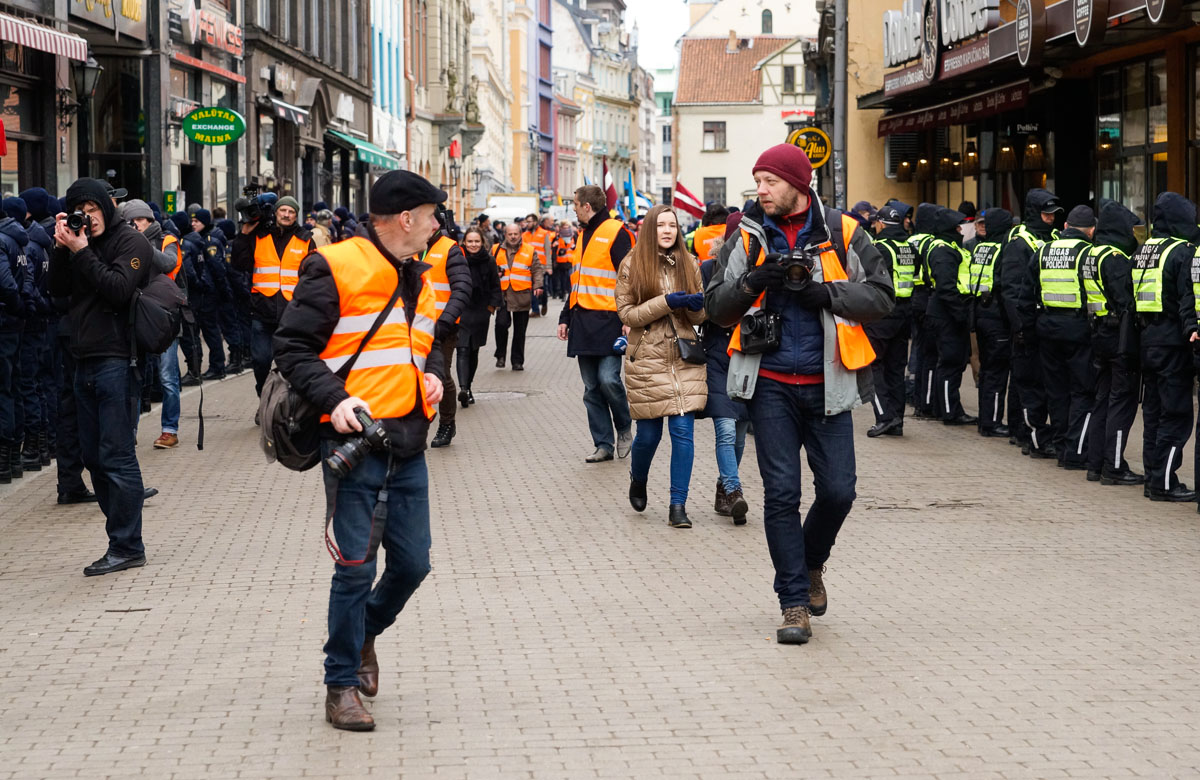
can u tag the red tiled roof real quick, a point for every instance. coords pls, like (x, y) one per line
(709, 73)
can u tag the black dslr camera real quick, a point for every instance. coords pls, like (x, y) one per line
(347, 455)
(77, 221)
(798, 268)
(762, 332)
(254, 206)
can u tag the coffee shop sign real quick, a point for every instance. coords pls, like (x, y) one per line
(921, 23)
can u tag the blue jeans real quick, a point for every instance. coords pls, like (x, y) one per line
(262, 352)
(604, 397)
(649, 433)
(787, 418)
(168, 377)
(731, 443)
(104, 388)
(356, 609)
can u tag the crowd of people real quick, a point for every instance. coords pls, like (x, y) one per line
(1070, 321)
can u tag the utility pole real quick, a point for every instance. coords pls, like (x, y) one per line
(839, 104)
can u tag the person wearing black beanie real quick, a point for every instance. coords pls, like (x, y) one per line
(99, 268)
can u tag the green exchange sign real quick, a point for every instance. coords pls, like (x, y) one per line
(214, 126)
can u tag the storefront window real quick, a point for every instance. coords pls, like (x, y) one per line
(1131, 137)
(1157, 101)
(1135, 105)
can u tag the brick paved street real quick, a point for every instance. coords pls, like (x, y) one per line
(990, 617)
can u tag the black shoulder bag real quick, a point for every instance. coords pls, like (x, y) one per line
(290, 423)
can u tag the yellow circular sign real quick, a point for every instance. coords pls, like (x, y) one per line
(815, 144)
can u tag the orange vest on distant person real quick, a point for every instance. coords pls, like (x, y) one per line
(703, 238)
(854, 348)
(436, 256)
(390, 373)
(594, 280)
(274, 274)
(169, 241)
(520, 277)
(539, 243)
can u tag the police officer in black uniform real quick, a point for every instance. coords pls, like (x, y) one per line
(889, 336)
(1108, 282)
(924, 340)
(1163, 296)
(947, 314)
(992, 332)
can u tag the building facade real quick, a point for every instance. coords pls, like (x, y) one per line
(491, 91)
(387, 68)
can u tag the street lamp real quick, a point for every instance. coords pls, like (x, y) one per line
(85, 78)
(455, 169)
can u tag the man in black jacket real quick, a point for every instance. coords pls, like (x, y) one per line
(264, 244)
(398, 377)
(947, 314)
(992, 332)
(99, 267)
(889, 336)
(1108, 282)
(451, 279)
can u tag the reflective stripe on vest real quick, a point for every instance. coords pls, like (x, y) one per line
(1020, 232)
(272, 273)
(904, 265)
(1093, 285)
(593, 280)
(963, 274)
(1059, 273)
(982, 276)
(1196, 278)
(920, 246)
(1148, 278)
(539, 243)
(853, 346)
(436, 256)
(520, 276)
(703, 241)
(389, 374)
(169, 241)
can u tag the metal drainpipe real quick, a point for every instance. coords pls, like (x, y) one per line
(839, 104)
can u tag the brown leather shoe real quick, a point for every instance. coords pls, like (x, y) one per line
(345, 710)
(368, 669)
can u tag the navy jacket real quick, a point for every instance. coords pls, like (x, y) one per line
(802, 350)
(715, 340)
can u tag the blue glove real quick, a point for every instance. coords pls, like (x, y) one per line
(677, 300)
(695, 301)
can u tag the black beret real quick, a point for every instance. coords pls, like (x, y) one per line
(397, 191)
(1082, 217)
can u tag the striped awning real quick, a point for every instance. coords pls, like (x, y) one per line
(36, 36)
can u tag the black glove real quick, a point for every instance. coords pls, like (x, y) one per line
(769, 276)
(815, 295)
(444, 329)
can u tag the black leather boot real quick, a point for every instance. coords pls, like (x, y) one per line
(44, 448)
(5, 466)
(445, 434)
(637, 495)
(14, 459)
(31, 459)
(677, 517)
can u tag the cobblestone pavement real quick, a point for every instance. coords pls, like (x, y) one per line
(990, 617)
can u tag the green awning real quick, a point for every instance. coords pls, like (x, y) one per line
(367, 151)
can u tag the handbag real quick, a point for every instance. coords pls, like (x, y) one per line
(289, 422)
(690, 350)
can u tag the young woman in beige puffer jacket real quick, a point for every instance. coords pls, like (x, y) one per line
(660, 299)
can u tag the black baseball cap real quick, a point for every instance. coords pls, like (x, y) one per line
(397, 191)
(893, 212)
(116, 192)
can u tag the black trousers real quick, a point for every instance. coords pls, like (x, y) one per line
(208, 317)
(68, 455)
(924, 344)
(520, 322)
(1027, 375)
(891, 359)
(953, 353)
(995, 360)
(467, 364)
(1070, 383)
(449, 403)
(1166, 412)
(1113, 411)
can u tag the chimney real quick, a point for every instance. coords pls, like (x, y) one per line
(732, 46)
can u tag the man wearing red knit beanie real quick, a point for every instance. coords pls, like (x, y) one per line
(798, 283)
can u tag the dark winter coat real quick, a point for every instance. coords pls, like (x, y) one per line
(485, 292)
(997, 222)
(715, 340)
(1114, 227)
(944, 259)
(1016, 260)
(459, 276)
(13, 265)
(1174, 217)
(1070, 325)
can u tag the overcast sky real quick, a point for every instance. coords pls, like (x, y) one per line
(660, 23)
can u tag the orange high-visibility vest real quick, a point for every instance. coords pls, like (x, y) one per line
(272, 273)
(389, 374)
(593, 280)
(539, 243)
(703, 238)
(169, 241)
(854, 348)
(520, 276)
(436, 256)
(566, 249)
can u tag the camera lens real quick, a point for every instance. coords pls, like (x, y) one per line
(346, 457)
(75, 221)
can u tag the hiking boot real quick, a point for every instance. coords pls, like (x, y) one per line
(818, 601)
(167, 441)
(722, 503)
(738, 507)
(795, 629)
(445, 434)
(677, 517)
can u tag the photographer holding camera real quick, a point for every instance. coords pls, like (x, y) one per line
(270, 247)
(376, 482)
(99, 262)
(797, 280)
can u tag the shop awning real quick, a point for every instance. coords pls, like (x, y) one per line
(367, 151)
(957, 112)
(287, 111)
(42, 38)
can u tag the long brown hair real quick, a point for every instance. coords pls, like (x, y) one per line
(645, 265)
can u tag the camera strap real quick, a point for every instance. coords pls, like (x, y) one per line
(379, 513)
